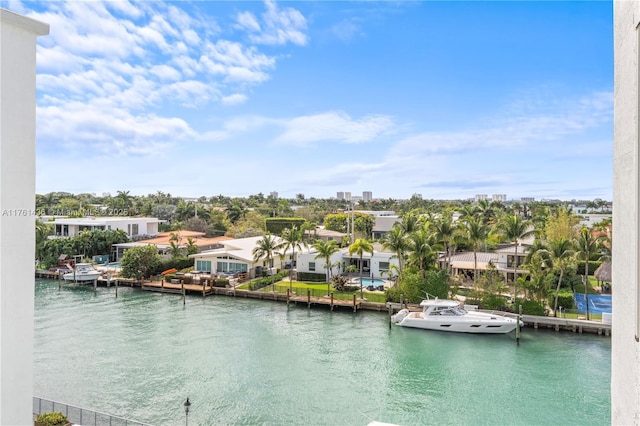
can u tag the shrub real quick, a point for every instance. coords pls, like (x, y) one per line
(221, 282)
(494, 302)
(276, 225)
(565, 299)
(593, 265)
(530, 307)
(339, 282)
(311, 277)
(52, 419)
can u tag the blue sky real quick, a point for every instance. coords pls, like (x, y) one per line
(444, 99)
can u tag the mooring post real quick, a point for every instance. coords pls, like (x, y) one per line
(95, 284)
(59, 280)
(184, 294)
(518, 325)
(390, 310)
(116, 287)
(332, 301)
(309, 298)
(288, 297)
(354, 303)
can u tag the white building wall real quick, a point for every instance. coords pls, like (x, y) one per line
(17, 204)
(625, 354)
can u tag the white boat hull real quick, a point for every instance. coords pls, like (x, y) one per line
(472, 322)
(81, 276)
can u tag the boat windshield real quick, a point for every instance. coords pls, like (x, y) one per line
(455, 311)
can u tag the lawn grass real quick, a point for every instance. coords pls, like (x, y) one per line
(318, 290)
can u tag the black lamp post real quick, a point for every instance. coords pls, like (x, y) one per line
(187, 404)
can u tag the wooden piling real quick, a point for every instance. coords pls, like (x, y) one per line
(184, 294)
(59, 280)
(390, 313)
(309, 298)
(354, 303)
(116, 287)
(332, 301)
(518, 325)
(288, 295)
(95, 285)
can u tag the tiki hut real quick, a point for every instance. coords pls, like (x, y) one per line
(603, 275)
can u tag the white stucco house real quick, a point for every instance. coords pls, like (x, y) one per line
(503, 260)
(237, 256)
(378, 265)
(133, 226)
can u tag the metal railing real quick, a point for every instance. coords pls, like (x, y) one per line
(81, 416)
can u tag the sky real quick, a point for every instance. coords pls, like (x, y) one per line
(443, 99)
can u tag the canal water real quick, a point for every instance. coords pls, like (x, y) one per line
(243, 361)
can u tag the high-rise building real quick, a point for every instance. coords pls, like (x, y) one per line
(416, 195)
(367, 195)
(527, 200)
(274, 194)
(480, 197)
(499, 197)
(347, 196)
(340, 195)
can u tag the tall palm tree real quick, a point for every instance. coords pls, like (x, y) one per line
(325, 250)
(560, 252)
(292, 239)
(359, 247)
(43, 230)
(267, 246)
(421, 249)
(515, 229)
(445, 231)
(475, 232)
(587, 248)
(396, 240)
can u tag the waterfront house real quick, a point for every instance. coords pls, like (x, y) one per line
(236, 255)
(502, 259)
(378, 265)
(163, 242)
(133, 226)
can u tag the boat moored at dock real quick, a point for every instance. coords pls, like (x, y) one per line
(448, 315)
(83, 272)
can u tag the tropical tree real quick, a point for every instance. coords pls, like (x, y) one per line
(325, 250)
(359, 247)
(292, 239)
(515, 229)
(266, 247)
(396, 240)
(445, 231)
(43, 230)
(422, 253)
(475, 232)
(192, 248)
(560, 252)
(587, 248)
(139, 261)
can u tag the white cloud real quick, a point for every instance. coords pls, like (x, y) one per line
(333, 126)
(235, 99)
(279, 25)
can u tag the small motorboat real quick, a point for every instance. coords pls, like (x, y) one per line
(82, 272)
(448, 315)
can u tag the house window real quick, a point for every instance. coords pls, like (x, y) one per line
(203, 265)
(312, 266)
(134, 229)
(384, 266)
(231, 267)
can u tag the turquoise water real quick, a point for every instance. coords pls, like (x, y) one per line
(243, 361)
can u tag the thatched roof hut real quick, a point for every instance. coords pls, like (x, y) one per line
(603, 273)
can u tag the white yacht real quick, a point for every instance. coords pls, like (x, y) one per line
(82, 272)
(447, 315)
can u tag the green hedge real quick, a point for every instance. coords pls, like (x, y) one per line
(178, 262)
(276, 225)
(312, 277)
(263, 282)
(530, 307)
(593, 265)
(221, 282)
(565, 299)
(52, 419)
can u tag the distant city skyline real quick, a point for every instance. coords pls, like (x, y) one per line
(396, 98)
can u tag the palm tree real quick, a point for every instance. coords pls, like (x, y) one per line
(43, 230)
(560, 252)
(293, 238)
(515, 229)
(359, 247)
(587, 248)
(475, 232)
(266, 247)
(445, 232)
(396, 240)
(325, 250)
(421, 249)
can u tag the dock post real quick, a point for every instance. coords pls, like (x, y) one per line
(59, 280)
(162, 285)
(332, 301)
(203, 283)
(390, 310)
(116, 288)
(95, 285)
(518, 325)
(354, 303)
(309, 298)
(288, 298)
(184, 294)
